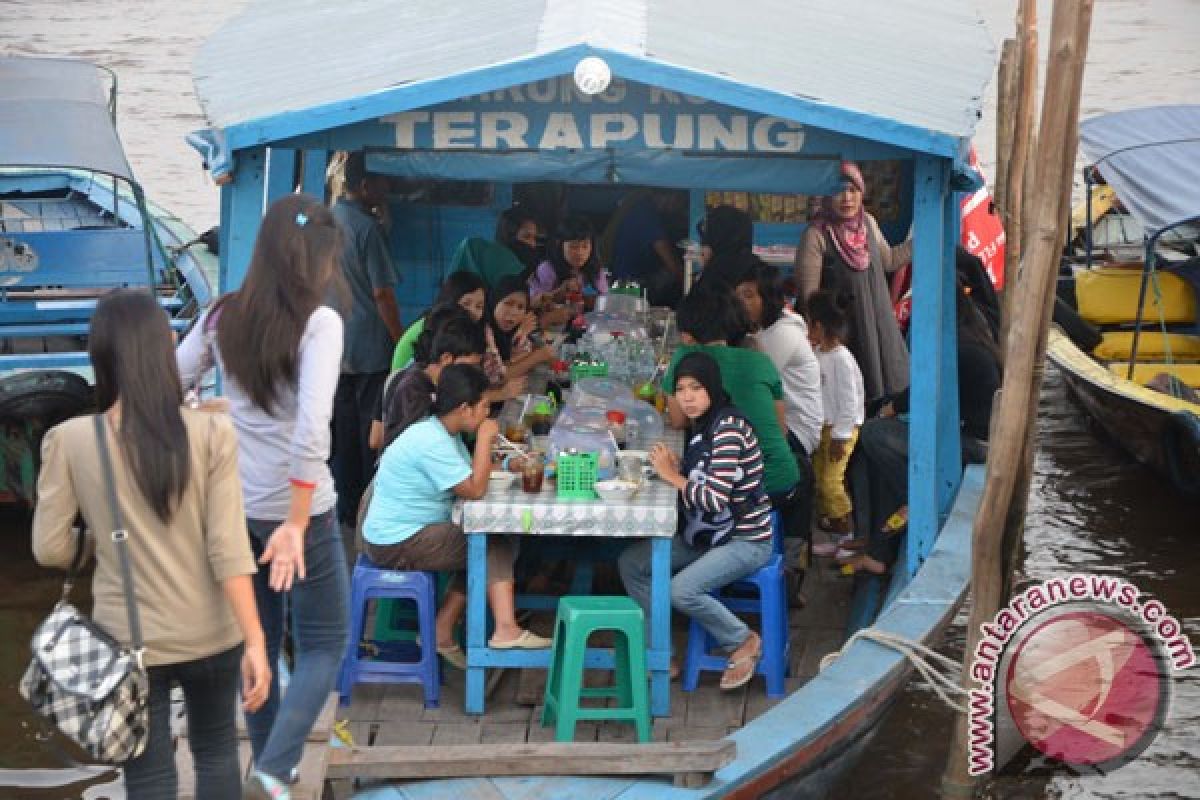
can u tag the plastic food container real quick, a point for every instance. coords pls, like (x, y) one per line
(500, 480)
(616, 491)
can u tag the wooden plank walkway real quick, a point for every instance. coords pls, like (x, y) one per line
(394, 715)
(311, 785)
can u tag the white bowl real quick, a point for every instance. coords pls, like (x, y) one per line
(501, 480)
(616, 490)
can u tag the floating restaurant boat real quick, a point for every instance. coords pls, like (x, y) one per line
(74, 223)
(1138, 377)
(467, 105)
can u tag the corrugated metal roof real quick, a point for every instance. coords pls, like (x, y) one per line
(920, 63)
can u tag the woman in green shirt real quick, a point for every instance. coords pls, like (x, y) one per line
(711, 321)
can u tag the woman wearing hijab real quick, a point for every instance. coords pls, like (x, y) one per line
(724, 515)
(844, 250)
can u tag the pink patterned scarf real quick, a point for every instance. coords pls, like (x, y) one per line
(849, 234)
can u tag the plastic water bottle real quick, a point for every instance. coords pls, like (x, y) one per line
(633, 435)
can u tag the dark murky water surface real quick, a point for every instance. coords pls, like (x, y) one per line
(1092, 509)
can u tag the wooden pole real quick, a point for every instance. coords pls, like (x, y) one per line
(1032, 298)
(1014, 526)
(1020, 157)
(1020, 220)
(1006, 97)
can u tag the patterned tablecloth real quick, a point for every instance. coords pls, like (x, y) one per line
(650, 512)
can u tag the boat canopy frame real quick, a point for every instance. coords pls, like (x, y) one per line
(1151, 158)
(57, 114)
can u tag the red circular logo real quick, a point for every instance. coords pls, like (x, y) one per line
(1085, 688)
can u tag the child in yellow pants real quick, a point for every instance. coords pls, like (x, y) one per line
(842, 396)
(829, 466)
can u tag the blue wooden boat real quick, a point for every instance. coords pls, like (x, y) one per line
(74, 223)
(468, 105)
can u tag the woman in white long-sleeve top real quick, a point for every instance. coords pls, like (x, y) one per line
(280, 349)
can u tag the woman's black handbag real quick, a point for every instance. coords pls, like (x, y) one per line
(80, 678)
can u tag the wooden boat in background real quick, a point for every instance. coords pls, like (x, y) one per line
(1137, 371)
(74, 224)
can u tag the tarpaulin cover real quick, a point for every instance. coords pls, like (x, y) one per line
(637, 167)
(1151, 158)
(54, 113)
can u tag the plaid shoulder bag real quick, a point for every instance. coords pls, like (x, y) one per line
(80, 678)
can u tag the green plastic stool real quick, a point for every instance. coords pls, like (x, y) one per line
(578, 618)
(396, 620)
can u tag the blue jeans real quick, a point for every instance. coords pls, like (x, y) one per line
(319, 624)
(210, 696)
(696, 573)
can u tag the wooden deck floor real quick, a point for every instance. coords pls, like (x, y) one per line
(382, 715)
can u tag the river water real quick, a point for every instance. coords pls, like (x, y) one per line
(1092, 508)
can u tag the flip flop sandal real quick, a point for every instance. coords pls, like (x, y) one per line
(454, 656)
(526, 641)
(729, 684)
(840, 543)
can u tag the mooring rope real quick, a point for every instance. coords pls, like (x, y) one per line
(1172, 385)
(942, 674)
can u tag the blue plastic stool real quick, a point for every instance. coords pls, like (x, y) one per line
(769, 584)
(373, 583)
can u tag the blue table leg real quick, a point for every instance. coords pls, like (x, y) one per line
(476, 619)
(660, 625)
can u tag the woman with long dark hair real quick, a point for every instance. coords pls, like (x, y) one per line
(180, 501)
(514, 328)
(280, 349)
(571, 264)
(782, 336)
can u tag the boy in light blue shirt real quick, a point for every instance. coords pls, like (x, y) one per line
(408, 524)
(419, 477)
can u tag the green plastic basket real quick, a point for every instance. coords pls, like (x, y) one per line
(585, 370)
(575, 475)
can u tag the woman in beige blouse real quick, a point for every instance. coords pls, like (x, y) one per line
(844, 250)
(180, 499)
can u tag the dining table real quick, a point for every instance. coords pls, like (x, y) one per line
(649, 514)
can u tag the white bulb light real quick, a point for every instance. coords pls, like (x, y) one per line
(592, 75)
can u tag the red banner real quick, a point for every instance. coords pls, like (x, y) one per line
(982, 233)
